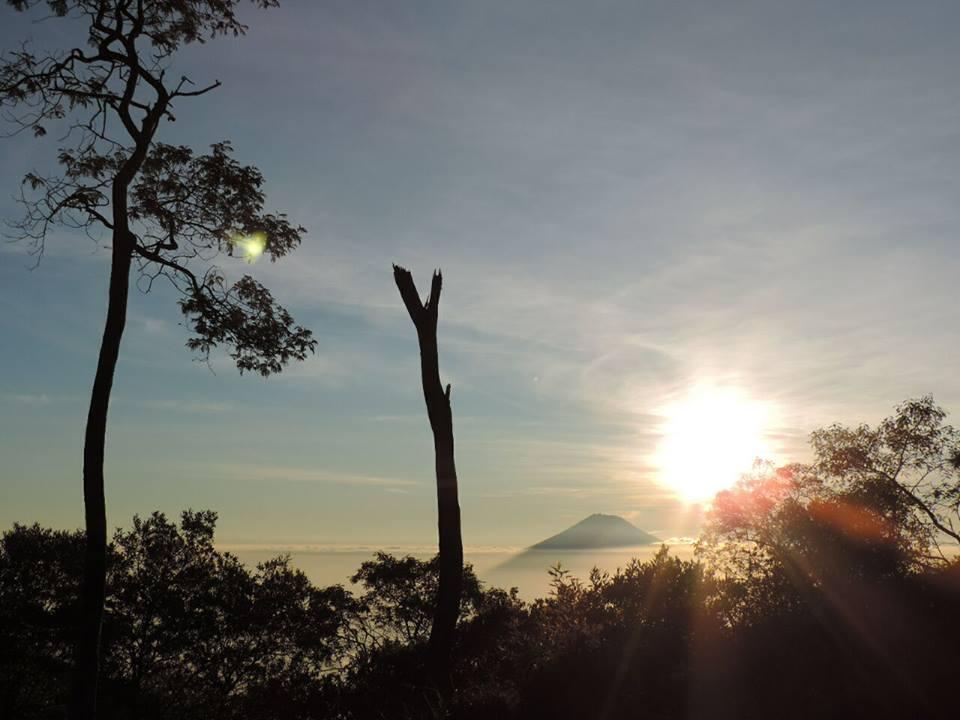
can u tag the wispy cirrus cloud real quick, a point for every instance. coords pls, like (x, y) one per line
(190, 407)
(762, 198)
(32, 399)
(285, 473)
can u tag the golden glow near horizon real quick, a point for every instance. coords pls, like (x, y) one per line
(710, 438)
(252, 246)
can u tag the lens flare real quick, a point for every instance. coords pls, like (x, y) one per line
(252, 246)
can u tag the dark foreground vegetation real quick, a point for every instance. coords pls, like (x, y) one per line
(826, 590)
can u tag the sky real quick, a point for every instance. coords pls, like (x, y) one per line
(628, 200)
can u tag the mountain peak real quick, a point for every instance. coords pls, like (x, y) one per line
(597, 531)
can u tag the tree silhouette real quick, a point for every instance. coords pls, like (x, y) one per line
(190, 631)
(39, 570)
(424, 317)
(907, 463)
(888, 494)
(401, 595)
(167, 211)
(191, 622)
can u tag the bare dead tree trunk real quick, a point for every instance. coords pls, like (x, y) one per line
(92, 593)
(447, 611)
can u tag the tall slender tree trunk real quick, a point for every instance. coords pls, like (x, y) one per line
(447, 611)
(87, 659)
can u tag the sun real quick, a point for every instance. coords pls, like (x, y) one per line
(710, 438)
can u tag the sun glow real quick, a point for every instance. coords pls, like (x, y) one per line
(710, 437)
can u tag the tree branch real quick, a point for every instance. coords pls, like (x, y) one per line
(409, 295)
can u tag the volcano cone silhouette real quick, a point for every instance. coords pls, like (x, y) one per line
(597, 531)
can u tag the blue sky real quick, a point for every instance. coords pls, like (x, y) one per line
(627, 199)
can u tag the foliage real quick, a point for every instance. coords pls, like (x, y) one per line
(187, 620)
(906, 468)
(192, 633)
(39, 571)
(175, 212)
(398, 599)
(189, 631)
(808, 598)
(875, 502)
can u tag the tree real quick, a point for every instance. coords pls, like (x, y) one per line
(838, 560)
(892, 490)
(193, 632)
(39, 569)
(188, 631)
(424, 317)
(399, 598)
(383, 673)
(166, 210)
(909, 463)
